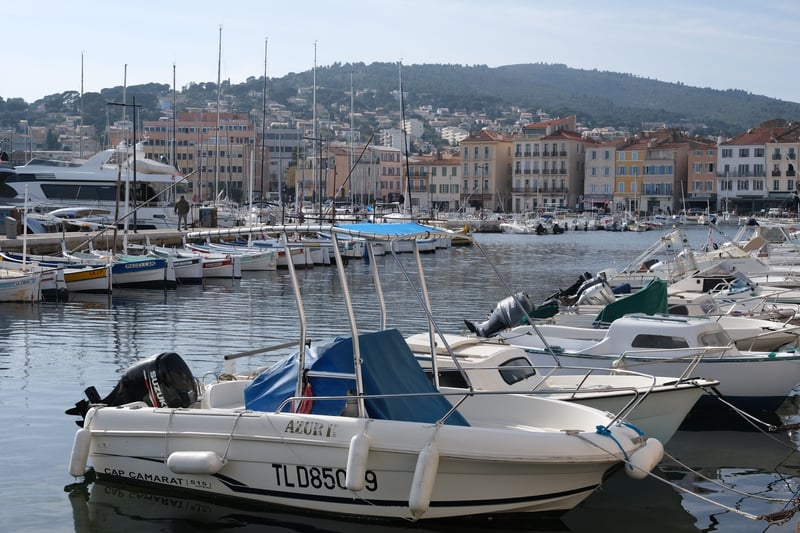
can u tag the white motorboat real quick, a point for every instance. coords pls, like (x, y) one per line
(663, 346)
(353, 427)
(747, 320)
(655, 405)
(92, 184)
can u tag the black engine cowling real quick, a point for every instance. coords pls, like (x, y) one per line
(161, 380)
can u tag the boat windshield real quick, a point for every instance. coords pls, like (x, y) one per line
(715, 338)
(661, 342)
(515, 370)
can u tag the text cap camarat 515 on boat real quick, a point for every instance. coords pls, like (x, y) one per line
(353, 427)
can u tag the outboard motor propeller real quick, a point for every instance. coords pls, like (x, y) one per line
(161, 380)
(506, 314)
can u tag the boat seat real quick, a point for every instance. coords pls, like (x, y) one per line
(224, 394)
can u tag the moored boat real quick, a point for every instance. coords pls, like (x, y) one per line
(353, 427)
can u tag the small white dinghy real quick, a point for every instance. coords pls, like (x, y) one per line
(353, 427)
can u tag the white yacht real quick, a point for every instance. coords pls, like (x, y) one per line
(93, 183)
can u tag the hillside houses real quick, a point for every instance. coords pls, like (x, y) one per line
(443, 161)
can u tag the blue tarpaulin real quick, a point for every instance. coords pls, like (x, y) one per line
(387, 367)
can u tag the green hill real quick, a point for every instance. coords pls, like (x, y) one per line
(598, 98)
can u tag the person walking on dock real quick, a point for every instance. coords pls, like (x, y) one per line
(182, 209)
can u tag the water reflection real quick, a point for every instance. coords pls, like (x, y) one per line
(115, 507)
(49, 352)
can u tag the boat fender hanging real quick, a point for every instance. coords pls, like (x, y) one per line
(80, 452)
(419, 499)
(643, 460)
(189, 462)
(357, 456)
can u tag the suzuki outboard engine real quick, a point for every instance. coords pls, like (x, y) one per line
(162, 380)
(507, 314)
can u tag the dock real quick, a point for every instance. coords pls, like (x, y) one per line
(50, 243)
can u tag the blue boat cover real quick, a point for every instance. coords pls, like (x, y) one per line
(391, 231)
(387, 367)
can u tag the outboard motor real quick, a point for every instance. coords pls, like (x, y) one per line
(162, 380)
(506, 314)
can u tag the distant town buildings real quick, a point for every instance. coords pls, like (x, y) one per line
(523, 161)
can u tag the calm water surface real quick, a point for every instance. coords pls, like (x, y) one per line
(50, 352)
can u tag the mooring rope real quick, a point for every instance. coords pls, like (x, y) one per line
(777, 518)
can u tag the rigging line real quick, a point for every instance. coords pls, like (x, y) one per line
(353, 167)
(115, 224)
(678, 487)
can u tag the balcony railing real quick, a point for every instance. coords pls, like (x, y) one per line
(737, 174)
(540, 189)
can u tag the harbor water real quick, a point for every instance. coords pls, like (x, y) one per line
(713, 480)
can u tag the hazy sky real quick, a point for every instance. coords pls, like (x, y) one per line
(733, 44)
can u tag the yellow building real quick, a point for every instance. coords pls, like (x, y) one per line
(486, 171)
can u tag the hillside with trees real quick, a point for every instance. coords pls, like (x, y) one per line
(598, 98)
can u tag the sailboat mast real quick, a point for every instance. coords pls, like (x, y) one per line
(216, 140)
(352, 134)
(174, 121)
(407, 199)
(263, 124)
(314, 135)
(124, 99)
(80, 131)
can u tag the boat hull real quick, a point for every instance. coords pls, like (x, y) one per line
(20, 287)
(92, 279)
(754, 383)
(301, 461)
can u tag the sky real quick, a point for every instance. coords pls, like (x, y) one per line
(735, 44)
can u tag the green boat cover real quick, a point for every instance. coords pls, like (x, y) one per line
(650, 299)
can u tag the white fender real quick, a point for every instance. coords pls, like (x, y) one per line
(643, 460)
(357, 462)
(80, 452)
(195, 462)
(424, 478)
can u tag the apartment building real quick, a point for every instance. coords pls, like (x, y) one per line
(741, 169)
(216, 161)
(486, 171)
(629, 171)
(434, 182)
(664, 174)
(548, 166)
(701, 190)
(782, 151)
(600, 175)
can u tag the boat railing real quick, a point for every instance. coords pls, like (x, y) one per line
(353, 399)
(691, 356)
